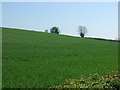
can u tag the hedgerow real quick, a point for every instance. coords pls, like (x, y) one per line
(92, 81)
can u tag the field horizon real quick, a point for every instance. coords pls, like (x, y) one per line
(89, 37)
(40, 60)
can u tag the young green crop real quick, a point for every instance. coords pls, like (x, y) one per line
(40, 60)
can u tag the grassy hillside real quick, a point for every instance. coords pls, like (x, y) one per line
(39, 60)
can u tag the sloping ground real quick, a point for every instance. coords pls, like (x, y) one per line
(104, 39)
(39, 60)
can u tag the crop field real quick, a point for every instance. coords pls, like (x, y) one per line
(39, 60)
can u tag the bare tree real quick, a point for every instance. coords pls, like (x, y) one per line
(82, 31)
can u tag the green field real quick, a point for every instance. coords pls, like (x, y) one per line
(40, 60)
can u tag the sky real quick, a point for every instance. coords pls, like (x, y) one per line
(100, 18)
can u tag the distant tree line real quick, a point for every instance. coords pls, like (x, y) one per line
(81, 29)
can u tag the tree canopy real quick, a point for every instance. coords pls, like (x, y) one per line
(54, 30)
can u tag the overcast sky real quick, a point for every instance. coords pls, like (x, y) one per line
(100, 18)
